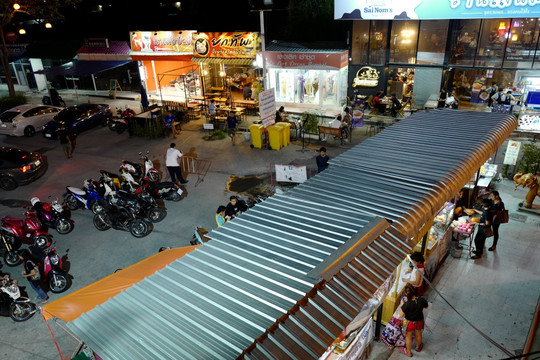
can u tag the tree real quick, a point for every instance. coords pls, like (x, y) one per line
(41, 11)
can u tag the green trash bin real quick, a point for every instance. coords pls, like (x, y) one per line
(286, 132)
(256, 131)
(275, 134)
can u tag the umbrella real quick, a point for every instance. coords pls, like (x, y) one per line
(144, 98)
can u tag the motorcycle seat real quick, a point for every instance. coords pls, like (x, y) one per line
(76, 190)
(165, 184)
(13, 221)
(131, 163)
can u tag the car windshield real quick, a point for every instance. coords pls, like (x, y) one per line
(8, 116)
(68, 115)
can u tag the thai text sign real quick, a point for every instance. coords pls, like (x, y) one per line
(435, 9)
(307, 60)
(267, 107)
(225, 44)
(162, 41)
(512, 152)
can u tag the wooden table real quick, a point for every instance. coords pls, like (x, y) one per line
(216, 89)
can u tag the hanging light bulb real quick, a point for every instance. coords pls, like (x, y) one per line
(48, 25)
(22, 31)
(16, 6)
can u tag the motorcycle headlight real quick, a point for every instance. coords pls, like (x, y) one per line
(54, 259)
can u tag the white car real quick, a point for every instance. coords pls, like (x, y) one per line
(26, 119)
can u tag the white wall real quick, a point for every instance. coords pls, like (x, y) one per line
(41, 80)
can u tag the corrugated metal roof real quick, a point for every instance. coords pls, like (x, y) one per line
(228, 61)
(282, 280)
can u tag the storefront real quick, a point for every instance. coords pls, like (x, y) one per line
(227, 64)
(445, 47)
(165, 66)
(312, 78)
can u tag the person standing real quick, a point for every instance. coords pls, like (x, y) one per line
(497, 208)
(173, 155)
(492, 90)
(65, 141)
(442, 98)
(212, 109)
(32, 274)
(232, 121)
(412, 310)
(415, 279)
(322, 160)
(485, 222)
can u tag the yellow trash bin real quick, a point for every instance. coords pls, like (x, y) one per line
(275, 134)
(256, 132)
(286, 132)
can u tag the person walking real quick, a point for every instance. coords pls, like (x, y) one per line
(232, 121)
(172, 164)
(485, 223)
(497, 208)
(32, 274)
(412, 310)
(65, 141)
(322, 160)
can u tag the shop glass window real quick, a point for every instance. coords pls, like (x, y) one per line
(432, 42)
(403, 42)
(464, 42)
(330, 87)
(377, 42)
(521, 44)
(536, 64)
(360, 42)
(492, 42)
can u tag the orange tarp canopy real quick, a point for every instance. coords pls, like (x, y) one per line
(73, 305)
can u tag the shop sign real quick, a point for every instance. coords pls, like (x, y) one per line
(267, 107)
(360, 344)
(307, 60)
(367, 77)
(225, 44)
(162, 41)
(96, 43)
(435, 9)
(512, 152)
(478, 92)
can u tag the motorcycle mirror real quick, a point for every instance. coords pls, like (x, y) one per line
(140, 152)
(147, 152)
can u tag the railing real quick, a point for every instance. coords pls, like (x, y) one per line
(199, 167)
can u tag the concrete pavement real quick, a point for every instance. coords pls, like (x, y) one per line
(482, 289)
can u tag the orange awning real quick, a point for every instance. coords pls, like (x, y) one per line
(73, 305)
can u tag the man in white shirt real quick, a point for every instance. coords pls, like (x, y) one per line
(172, 164)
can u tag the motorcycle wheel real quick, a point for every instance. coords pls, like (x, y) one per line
(63, 226)
(11, 259)
(72, 202)
(98, 206)
(112, 125)
(175, 196)
(155, 214)
(101, 221)
(121, 128)
(140, 228)
(59, 283)
(153, 176)
(21, 311)
(42, 241)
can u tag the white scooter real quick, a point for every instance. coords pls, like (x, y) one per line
(137, 171)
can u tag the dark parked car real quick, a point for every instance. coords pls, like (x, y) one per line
(19, 167)
(77, 118)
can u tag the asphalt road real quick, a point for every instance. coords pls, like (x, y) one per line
(90, 255)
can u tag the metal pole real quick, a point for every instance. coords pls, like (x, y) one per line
(94, 81)
(263, 47)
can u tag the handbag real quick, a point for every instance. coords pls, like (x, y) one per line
(503, 217)
(488, 231)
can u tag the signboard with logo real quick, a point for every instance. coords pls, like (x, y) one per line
(162, 41)
(512, 152)
(267, 107)
(367, 77)
(225, 44)
(308, 60)
(435, 9)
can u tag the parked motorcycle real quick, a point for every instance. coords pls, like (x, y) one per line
(12, 303)
(53, 99)
(88, 197)
(52, 215)
(50, 266)
(28, 231)
(120, 122)
(137, 171)
(120, 218)
(8, 253)
(164, 190)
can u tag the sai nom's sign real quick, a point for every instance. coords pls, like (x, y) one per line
(225, 44)
(435, 9)
(307, 60)
(162, 41)
(367, 77)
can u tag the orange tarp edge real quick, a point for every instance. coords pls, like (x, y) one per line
(73, 305)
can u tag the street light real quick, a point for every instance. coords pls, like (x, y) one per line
(22, 31)
(16, 6)
(48, 25)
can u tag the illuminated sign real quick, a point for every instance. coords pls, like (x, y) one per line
(225, 44)
(307, 60)
(152, 42)
(435, 9)
(367, 77)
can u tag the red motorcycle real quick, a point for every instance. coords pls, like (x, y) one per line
(28, 231)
